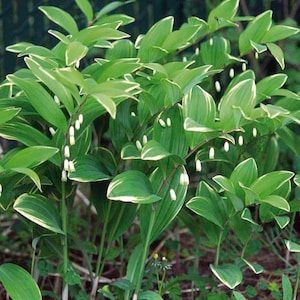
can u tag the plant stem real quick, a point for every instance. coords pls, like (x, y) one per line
(297, 280)
(219, 248)
(64, 217)
(145, 252)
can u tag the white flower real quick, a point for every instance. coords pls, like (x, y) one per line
(173, 194)
(77, 125)
(71, 166)
(162, 123)
(67, 151)
(80, 118)
(1, 189)
(133, 114)
(64, 176)
(231, 73)
(244, 67)
(71, 131)
(211, 41)
(77, 64)
(72, 140)
(254, 132)
(138, 145)
(211, 153)
(218, 86)
(226, 146)
(169, 122)
(52, 131)
(198, 165)
(56, 100)
(66, 165)
(184, 179)
(145, 139)
(197, 51)
(184, 59)
(241, 140)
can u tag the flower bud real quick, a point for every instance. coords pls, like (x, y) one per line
(52, 131)
(226, 146)
(254, 132)
(71, 131)
(211, 153)
(72, 140)
(162, 123)
(71, 166)
(138, 145)
(169, 122)
(133, 114)
(80, 118)
(64, 176)
(173, 194)
(77, 125)
(231, 73)
(56, 100)
(197, 51)
(218, 86)
(211, 41)
(184, 179)
(67, 151)
(66, 165)
(145, 139)
(241, 140)
(77, 64)
(1, 189)
(244, 67)
(198, 165)
(184, 59)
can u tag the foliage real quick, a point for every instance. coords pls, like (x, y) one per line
(153, 131)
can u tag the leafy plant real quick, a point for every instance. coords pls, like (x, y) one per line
(133, 124)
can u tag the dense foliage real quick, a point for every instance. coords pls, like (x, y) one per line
(118, 140)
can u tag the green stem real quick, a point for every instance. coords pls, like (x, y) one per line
(160, 290)
(219, 248)
(297, 281)
(64, 220)
(144, 254)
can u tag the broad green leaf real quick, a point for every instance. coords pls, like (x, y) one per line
(134, 264)
(18, 283)
(38, 51)
(70, 76)
(86, 7)
(242, 228)
(167, 209)
(238, 296)
(30, 157)
(255, 31)
(75, 52)
(31, 174)
(246, 215)
(90, 35)
(256, 268)
(266, 87)
(155, 151)
(41, 100)
(111, 6)
(47, 76)
(224, 183)
(276, 201)
(18, 47)
(259, 48)
(59, 36)
(287, 288)
(270, 182)
(8, 113)
(88, 169)
(241, 96)
(154, 39)
(206, 208)
(119, 18)
(279, 32)
(292, 246)
(107, 103)
(39, 210)
(290, 138)
(277, 53)
(61, 18)
(130, 151)
(228, 274)
(223, 12)
(297, 180)
(121, 49)
(282, 221)
(124, 188)
(149, 295)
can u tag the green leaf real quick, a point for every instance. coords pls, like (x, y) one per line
(149, 295)
(75, 52)
(291, 246)
(277, 53)
(268, 85)
(88, 169)
(124, 188)
(18, 283)
(277, 202)
(282, 221)
(259, 48)
(256, 268)
(86, 7)
(134, 263)
(228, 274)
(287, 288)
(241, 96)
(31, 174)
(61, 18)
(255, 31)
(270, 182)
(238, 296)
(107, 103)
(206, 208)
(278, 33)
(290, 138)
(8, 113)
(30, 157)
(154, 39)
(42, 102)
(39, 210)
(18, 47)
(224, 183)
(111, 6)
(223, 12)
